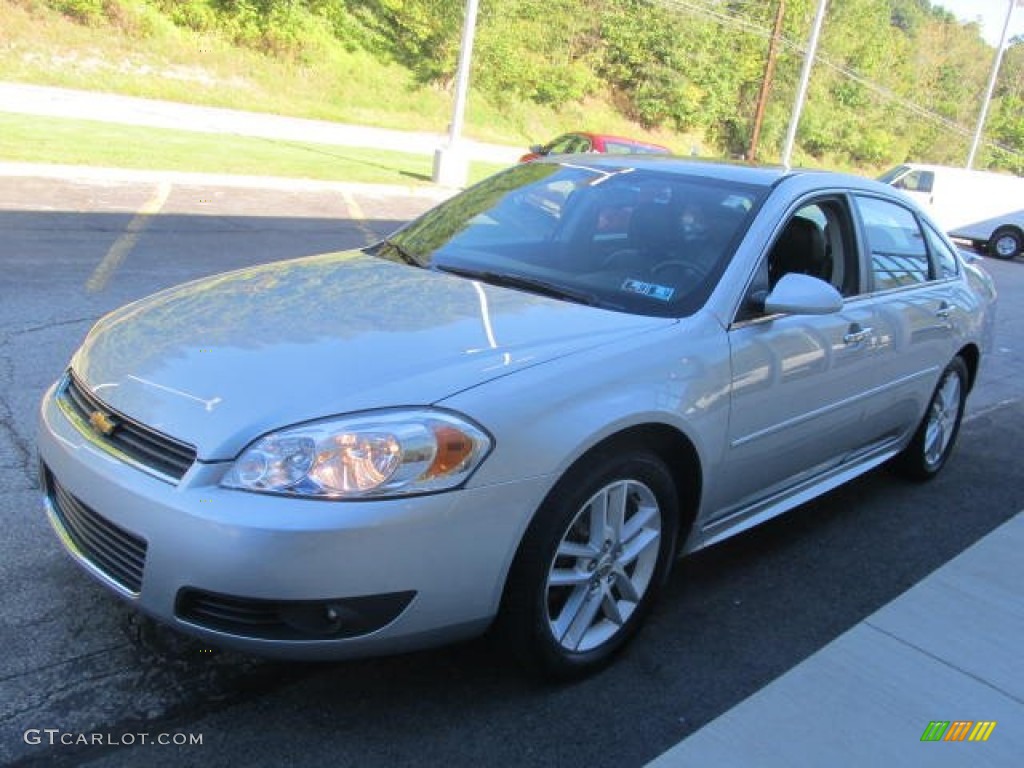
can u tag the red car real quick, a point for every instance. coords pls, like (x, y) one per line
(576, 143)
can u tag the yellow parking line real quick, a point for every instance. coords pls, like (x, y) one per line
(359, 218)
(124, 244)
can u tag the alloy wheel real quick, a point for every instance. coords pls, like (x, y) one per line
(603, 566)
(942, 419)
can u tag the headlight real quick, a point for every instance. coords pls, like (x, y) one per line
(384, 453)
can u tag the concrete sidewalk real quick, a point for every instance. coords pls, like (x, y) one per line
(948, 649)
(113, 108)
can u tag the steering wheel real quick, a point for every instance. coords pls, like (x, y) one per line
(688, 268)
(625, 255)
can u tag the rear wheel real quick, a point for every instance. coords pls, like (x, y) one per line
(1006, 243)
(936, 436)
(591, 563)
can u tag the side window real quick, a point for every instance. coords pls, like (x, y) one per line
(943, 257)
(576, 145)
(818, 241)
(917, 181)
(562, 145)
(617, 148)
(898, 253)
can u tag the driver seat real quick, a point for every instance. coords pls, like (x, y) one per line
(800, 248)
(652, 231)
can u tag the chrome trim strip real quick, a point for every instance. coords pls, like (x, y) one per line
(95, 439)
(721, 528)
(829, 408)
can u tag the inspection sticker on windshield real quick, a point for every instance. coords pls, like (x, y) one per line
(651, 290)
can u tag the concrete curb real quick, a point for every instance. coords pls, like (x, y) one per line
(946, 648)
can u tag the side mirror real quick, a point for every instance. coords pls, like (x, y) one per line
(797, 294)
(537, 149)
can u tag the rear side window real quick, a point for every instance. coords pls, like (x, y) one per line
(620, 148)
(899, 256)
(946, 264)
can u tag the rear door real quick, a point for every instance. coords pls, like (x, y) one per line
(913, 279)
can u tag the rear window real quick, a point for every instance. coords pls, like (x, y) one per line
(623, 148)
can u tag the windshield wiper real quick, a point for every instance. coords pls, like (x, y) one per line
(522, 282)
(400, 251)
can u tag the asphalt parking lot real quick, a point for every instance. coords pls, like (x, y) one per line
(732, 619)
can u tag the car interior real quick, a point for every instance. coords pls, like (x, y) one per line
(817, 241)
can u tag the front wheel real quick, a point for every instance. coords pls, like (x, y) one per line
(936, 436)
(591, 563)
(1006, 243)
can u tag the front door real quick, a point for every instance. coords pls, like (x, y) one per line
(801, 384)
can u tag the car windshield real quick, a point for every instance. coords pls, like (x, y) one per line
(893, 173)
(626, 239)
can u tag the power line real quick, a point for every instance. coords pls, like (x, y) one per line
(711, 12)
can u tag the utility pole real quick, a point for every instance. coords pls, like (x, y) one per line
(766, 82)
(991, 84)
(805, 78)
(451, 163)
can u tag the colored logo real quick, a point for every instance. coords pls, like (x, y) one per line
(102, 423)
(958, 730)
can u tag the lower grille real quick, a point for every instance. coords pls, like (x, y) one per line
(119, 555)
(291, 619)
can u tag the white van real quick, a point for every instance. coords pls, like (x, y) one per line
(985, 208)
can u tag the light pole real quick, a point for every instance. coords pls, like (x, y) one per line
(805, 78)
(451, 162)
(991, 84)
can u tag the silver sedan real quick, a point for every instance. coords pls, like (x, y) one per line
(517, 411)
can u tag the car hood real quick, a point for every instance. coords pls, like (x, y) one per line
(220, 361)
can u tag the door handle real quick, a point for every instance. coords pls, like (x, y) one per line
(943, 311)
(856, 334)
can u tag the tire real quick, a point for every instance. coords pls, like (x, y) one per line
(575, 596)
(932, 444)
(1006, 243)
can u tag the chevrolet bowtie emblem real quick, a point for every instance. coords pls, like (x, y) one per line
(102, 423)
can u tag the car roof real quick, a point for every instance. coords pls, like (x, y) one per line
(623, 139)
(611, 137)
(738, 171)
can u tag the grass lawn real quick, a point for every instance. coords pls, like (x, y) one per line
(140, 52)
(32, 139)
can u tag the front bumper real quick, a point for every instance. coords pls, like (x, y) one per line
(294, 578)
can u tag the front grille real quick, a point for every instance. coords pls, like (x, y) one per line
(119, 555)
(291, 619)
(145, 447)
